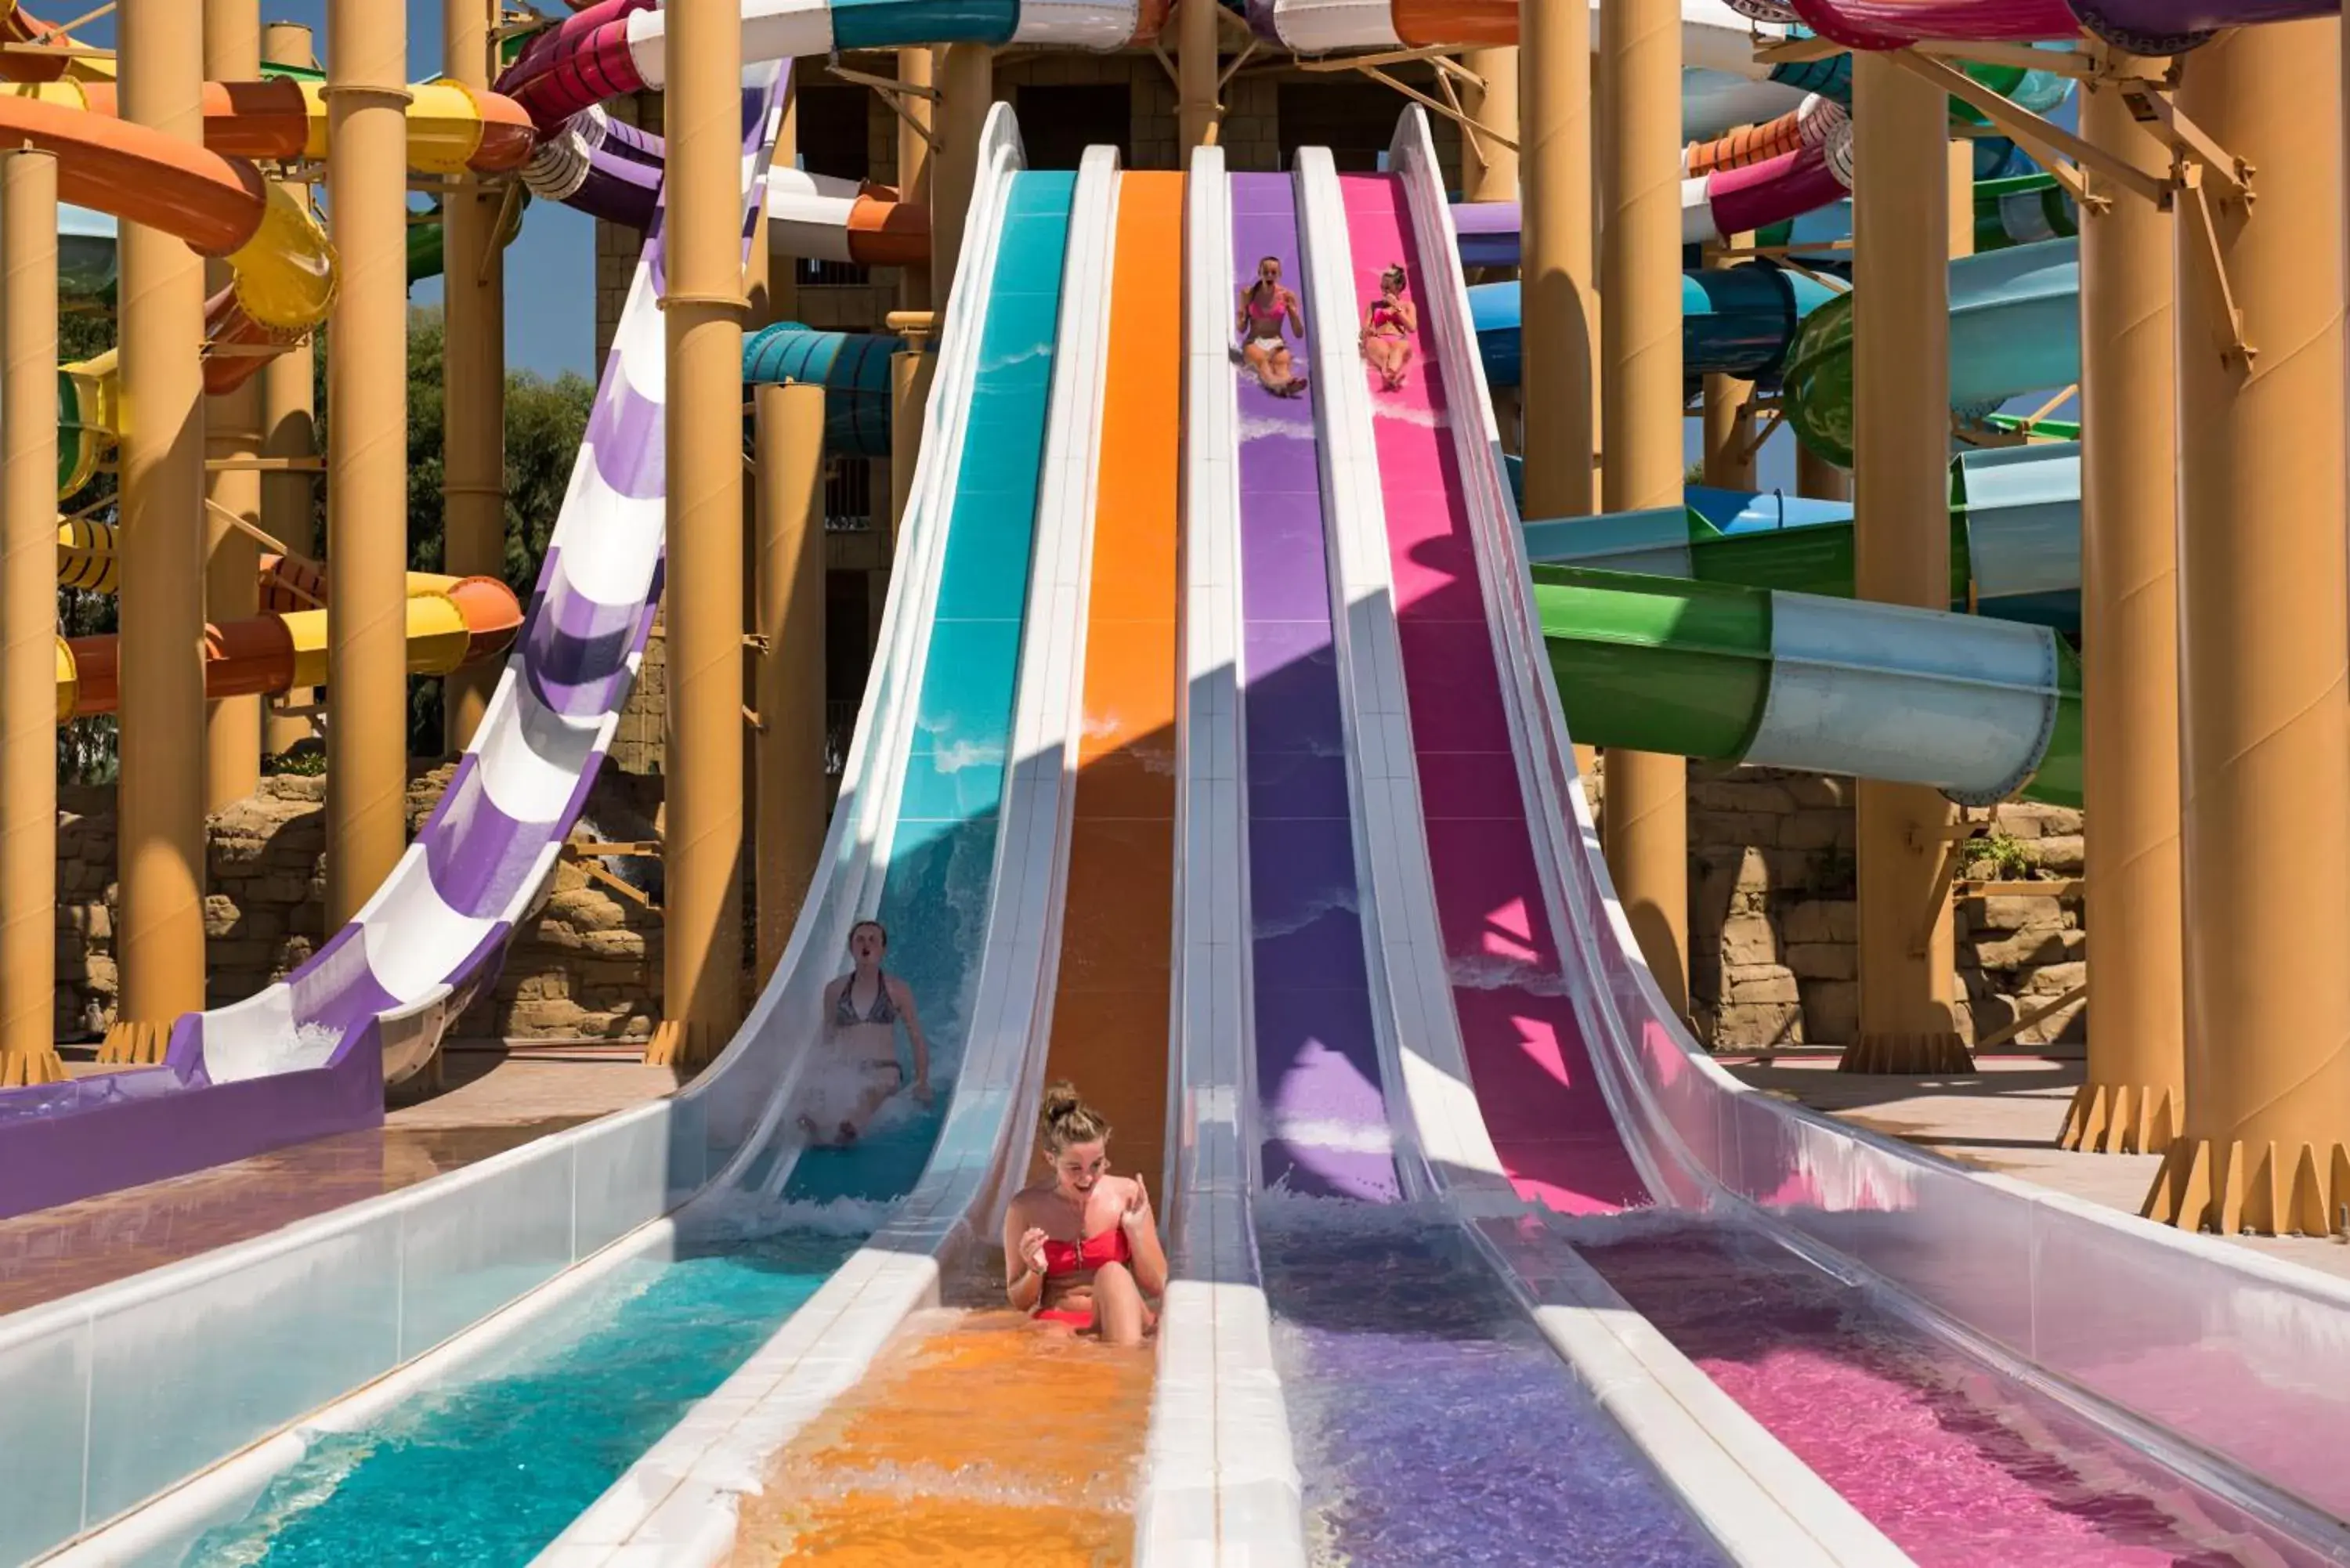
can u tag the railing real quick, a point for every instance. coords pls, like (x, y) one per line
(831, 274)
(849, 494)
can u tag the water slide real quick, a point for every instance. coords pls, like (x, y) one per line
(311, 1054)
(1818, 1266)
(2151, 28)
(2015, 537)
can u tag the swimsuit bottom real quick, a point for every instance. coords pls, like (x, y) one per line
(1269, 344)
(1076, 1317)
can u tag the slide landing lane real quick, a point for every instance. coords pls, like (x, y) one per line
(1316, 1053)
(1533, 1072)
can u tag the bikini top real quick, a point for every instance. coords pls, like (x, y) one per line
(844, 1010)
(1109, 1247)
(1273, 312)
(1384, 314)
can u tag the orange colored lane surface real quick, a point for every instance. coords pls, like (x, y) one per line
(1110, 1020)
(978, 1438)
(983, 1443)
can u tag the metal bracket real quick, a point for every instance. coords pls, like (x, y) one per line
(894, 93)
(2233, 348)
(2057, 150)
(2152, 106)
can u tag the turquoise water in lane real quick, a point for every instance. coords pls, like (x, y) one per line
(485, 1474)
(488, 1472)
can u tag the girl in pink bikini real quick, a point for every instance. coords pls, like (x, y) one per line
(1265, 309)
(1387, 327)
(1081, 1249)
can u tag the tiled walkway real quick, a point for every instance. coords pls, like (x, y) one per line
(2002, 1117)
(493, 1102)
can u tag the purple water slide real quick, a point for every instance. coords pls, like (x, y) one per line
(1317, 1057)
(308, 1056)
(2142, 26)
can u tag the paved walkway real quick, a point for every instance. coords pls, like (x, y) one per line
(2002, 1117)
(492, 1102)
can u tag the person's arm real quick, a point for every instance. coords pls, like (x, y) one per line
(1297, 311)
(831, 1023)
(1365, 336)
(903, 995)
(1024, 1261)
(1240, 316)
(1142, 1235)
(1410, 314)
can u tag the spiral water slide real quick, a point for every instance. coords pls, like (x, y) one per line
(2151, 28)
(311, 1054)
(1540, 1055)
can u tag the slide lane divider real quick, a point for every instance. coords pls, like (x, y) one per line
(1221, 1482)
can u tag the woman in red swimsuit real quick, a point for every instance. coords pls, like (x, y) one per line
(1081, 1249)
(1387, 327)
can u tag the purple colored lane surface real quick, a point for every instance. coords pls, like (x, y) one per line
(1317, 1059)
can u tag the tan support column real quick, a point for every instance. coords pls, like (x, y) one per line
(1646, 825)
(1901, 220)
(2262, 638)
(790, 700)
(1200, 111)
(287, 430)
(2130, 1100)
(1729, 420)
(1820, 479)
(366, 452)
(1959, 153)
(160, 931)
(916, 69)
(1560, 310)
(703, 837)
(29, 622)
(472, 375)
(232, 431)
(783, 272)
(967, 84)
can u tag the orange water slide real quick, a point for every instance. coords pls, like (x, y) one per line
(451, 622)
(1109, 1019)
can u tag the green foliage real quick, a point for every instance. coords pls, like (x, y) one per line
(307, 763)
(2003, 855)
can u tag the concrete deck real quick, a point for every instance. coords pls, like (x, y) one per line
(2003, 1116)
(492, 1102)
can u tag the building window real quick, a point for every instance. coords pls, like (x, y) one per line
(833, 140)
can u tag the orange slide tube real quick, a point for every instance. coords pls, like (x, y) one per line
(451, 128)
(452, 621)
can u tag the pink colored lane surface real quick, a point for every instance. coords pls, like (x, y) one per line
(1531, 1070)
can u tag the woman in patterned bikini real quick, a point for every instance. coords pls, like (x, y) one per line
(1267, 308)
(857, 1070)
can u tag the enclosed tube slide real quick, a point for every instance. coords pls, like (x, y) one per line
(309, 1055)
(2015, 538)
(853, 368)
(451, 128)
(1713, 36)
(2152, 27)
(2015, 327)
(1736, 321)
(451, 622)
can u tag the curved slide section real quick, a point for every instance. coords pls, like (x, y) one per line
(2153, 27)
(2055, 1366)
(2015, 327)
(1737, 320)
(309, 1055)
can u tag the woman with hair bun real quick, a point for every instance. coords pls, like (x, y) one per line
(1081, 1249)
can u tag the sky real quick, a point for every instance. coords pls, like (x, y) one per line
(550, 267)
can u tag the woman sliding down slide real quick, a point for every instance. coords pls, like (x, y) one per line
(856, 1069)
(1265, 309)
(1082, 1250)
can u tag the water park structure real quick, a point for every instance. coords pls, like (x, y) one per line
(1301, 763)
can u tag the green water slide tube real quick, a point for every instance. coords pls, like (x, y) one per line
(2015, 537)
(1981, 710)
(2015, 327)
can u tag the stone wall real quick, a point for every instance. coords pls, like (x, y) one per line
(1773, 928)
(586, 964)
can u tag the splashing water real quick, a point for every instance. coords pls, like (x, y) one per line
(1433, 1423)
(486, 1471)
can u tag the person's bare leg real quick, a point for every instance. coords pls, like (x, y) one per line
(1119, 1312)
(1261, 362)
(1402, 363)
